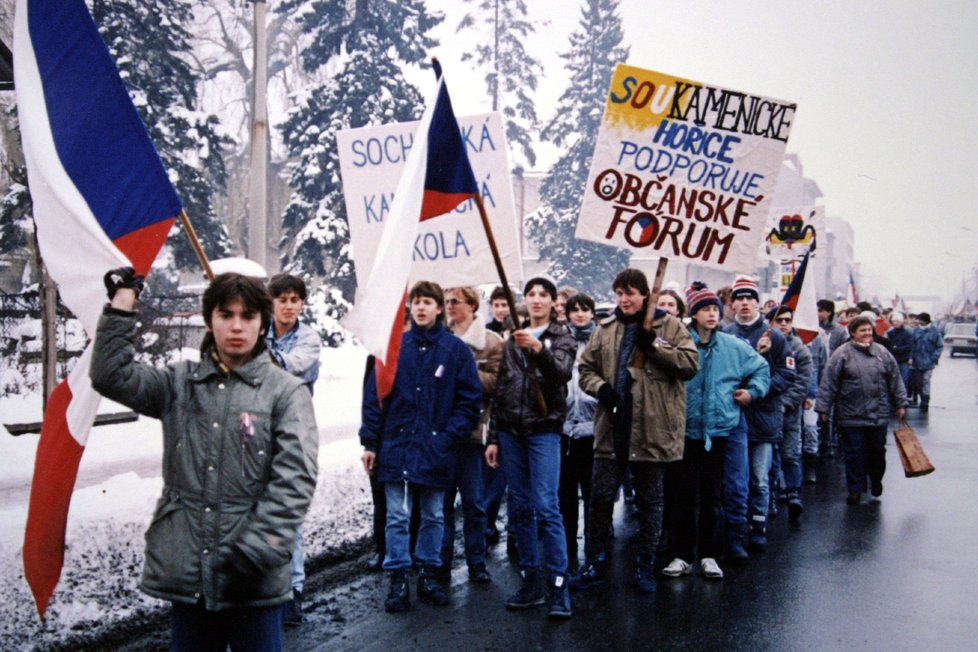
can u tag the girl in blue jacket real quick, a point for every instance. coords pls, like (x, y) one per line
(731, 375)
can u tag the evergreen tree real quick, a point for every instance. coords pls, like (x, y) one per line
(367, 43)
(511, 73)
(595, 49)
(150, 46)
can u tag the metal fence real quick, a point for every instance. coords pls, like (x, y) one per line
(167, 326)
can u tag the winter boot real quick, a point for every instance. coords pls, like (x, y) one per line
(757, 536)
(560, 602)
(530, 593)
(795, 507)
(293, 610)
(398, 597)
(645, 574)
(593, 574)
(735, 535)
(429, 590)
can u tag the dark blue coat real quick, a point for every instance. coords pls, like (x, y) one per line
(764, 416)
(901, 340)
(434, 406)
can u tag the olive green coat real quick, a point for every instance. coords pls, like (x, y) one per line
(658, 389)
(225, 486)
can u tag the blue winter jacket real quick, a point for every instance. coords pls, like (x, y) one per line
(901, 342)
(433, 407)
(727, 363)
(765, 417)
(927, 347)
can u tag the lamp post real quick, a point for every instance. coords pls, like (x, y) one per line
(258, 192)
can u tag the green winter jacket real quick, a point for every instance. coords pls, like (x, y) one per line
(239, 469)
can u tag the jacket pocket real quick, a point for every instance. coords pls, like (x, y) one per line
(170, 564)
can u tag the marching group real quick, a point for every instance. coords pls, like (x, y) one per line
(702, 411)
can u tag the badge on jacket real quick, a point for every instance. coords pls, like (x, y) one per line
(789, 362)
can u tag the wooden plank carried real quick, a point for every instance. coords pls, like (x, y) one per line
(912, 455)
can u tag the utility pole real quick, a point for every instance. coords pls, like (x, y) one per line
(258, 192)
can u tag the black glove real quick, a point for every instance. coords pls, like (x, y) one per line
(123, 277)
(644, 338)
(607, 396)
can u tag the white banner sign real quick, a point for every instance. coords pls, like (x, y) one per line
(451, 250)
(684, 170)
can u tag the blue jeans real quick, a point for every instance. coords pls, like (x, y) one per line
(736, 474)
(905, 375)
(532, 466)
(760, 490)
(791, 450)
(399, 503)
(469, 463)
(298, 563)
(251, 629)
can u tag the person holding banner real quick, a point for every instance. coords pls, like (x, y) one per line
(528, 418)
(470, 466)
(640, 420)
(410, 439)
(731, 375)
(764, 416)
(239, 466)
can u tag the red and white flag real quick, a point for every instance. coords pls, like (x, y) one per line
(102, 200)
(437, 177)
(800, 297)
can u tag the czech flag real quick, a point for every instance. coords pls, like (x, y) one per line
(853, 297)
(102, 199)
(800, 297)
(437, 177)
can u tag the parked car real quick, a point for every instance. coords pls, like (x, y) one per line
(961, 338)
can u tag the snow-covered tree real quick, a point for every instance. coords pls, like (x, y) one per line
(367, 43)
(511, 72)
(151, 47)
(595, 48)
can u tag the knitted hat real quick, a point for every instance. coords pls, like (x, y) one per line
(744, 286)
(699, 296)
(547, 283)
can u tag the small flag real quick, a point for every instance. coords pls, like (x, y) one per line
(800, 297)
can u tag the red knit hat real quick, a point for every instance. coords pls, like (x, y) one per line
(699, 296)
(745, 286)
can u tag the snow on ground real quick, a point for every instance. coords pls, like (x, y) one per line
(119, 482)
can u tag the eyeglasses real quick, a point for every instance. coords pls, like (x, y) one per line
(454, 302)
(783, 320)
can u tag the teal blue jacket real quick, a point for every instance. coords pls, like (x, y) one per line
(727, 363)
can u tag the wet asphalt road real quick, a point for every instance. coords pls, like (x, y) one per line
(900, 573)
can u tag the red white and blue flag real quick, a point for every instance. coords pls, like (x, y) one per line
(800, 297)
(853, 296)
(437, 177)
(102, 199)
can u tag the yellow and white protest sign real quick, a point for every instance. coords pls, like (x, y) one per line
(684, 170)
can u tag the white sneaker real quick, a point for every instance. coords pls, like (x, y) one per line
(676, 568)
(710, 568)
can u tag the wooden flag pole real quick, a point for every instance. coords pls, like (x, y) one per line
(195, 243)
(510, 300)
(660, 275)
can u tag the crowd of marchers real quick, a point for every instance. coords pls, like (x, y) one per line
(704, 412)
(700, 411)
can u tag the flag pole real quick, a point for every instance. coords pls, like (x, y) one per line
(195, 243)
(660, 275)
(510, 300)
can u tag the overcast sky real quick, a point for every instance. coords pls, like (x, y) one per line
(887, 95)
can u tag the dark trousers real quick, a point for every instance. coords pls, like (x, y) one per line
(694, 498)
(865, 456)
(605, 480)
(576, 462)
(254, 629)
